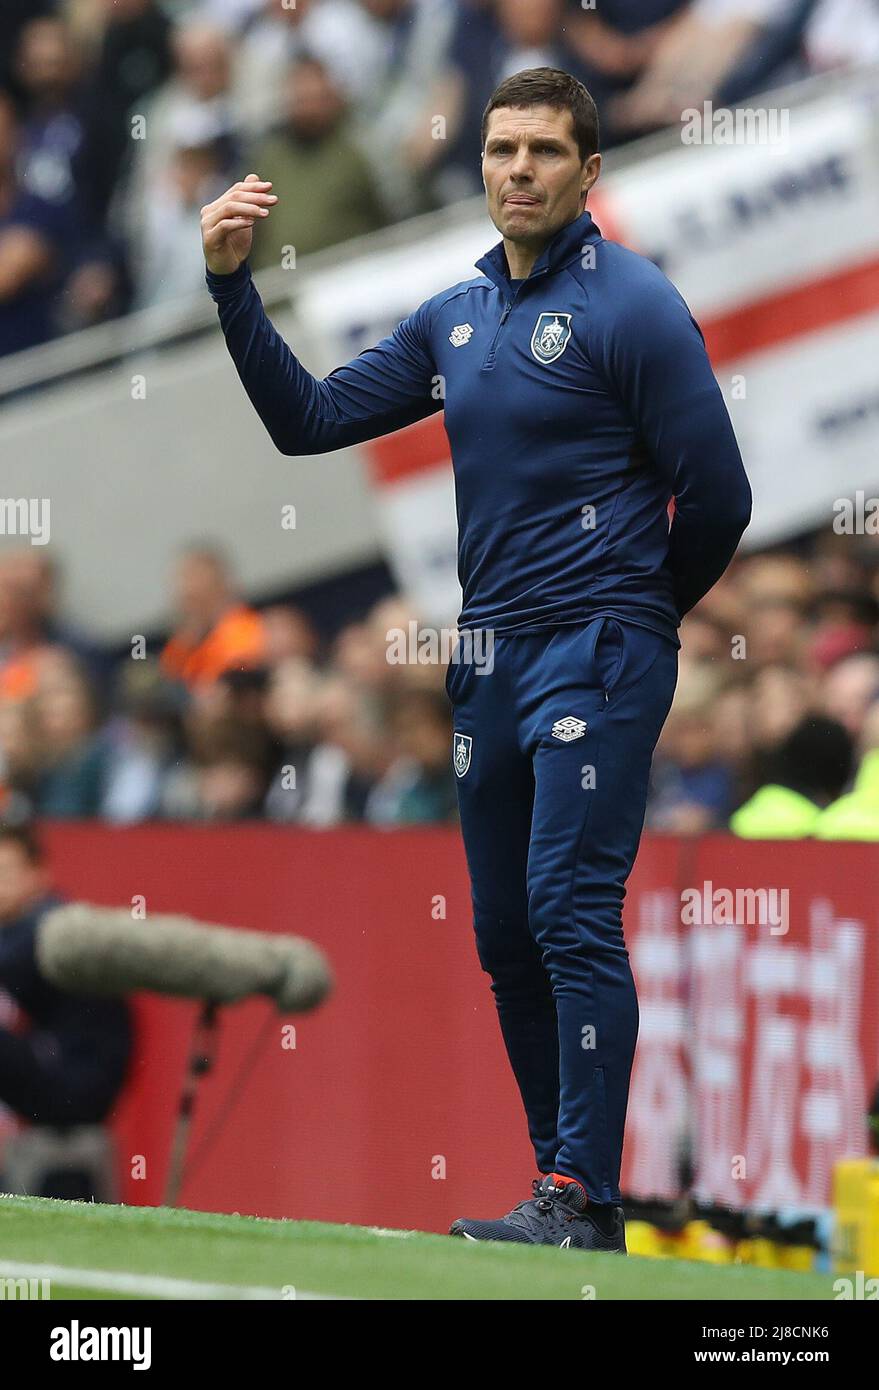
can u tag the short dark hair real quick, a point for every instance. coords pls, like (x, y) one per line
(25, 836)
(815, 759)
(550, 87)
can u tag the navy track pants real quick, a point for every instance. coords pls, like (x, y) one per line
(553, 742)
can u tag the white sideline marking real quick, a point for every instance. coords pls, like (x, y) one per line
(151, 1285)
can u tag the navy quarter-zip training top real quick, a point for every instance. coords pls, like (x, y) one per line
(577, 402)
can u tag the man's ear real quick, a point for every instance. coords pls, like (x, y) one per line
(591, 171)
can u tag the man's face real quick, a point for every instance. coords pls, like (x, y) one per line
(530, 23)
(21, 882)
(314, 103)
(532, 172)
(46, 61)
(200, 588)
(203, 61)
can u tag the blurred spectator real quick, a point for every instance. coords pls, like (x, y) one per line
(241, 695)
(73, 756)
(850, 688)
(806, 773)
(51, 150)
(142, 743)
(36, 235)
(617, 42)
(134, 112)
(780, 696)
(229, 771)
(692, 787)
(66, 1061)
(14, 15)
(843, 626)
(19, 755)
(132, 58)
(55, 164)
(314, 150)
(776, 579)
(361, 656)
(292, 714)
(419, 787)
(855, 816)
(686, 65)
(409, 42)
(731, 717)
(198, 90)
(166, 252)
(29, 581)
(727, 50)
(217, 632)
(775, 633)
(275, 36)
(249, 714)
(382, 55)
(617, 39)
(354, 752)
(332, 749)
(288, 633)
(25, 644)
(706, 638)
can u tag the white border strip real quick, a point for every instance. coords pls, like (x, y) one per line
(146, 1285)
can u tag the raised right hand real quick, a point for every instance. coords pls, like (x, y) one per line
(227, 223)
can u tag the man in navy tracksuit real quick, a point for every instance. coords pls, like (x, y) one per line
(578, 400)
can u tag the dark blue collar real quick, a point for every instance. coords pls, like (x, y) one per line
(566, 246)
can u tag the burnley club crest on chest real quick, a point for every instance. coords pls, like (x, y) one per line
(551, 336)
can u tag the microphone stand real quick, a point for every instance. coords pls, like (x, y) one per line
(201, 1061)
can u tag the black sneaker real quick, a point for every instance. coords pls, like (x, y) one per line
(557, 1214)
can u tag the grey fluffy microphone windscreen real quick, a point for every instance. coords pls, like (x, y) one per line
(99, 950)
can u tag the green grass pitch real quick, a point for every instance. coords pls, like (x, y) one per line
(110, 1252)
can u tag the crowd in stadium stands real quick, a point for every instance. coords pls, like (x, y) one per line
(119, 119)
(246, 713)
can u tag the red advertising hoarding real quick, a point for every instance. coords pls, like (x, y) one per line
(392, 1105)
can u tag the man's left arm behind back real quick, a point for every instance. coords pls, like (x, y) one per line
(653, 353)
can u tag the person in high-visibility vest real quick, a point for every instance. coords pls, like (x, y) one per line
(855, 816)
(809, 770)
